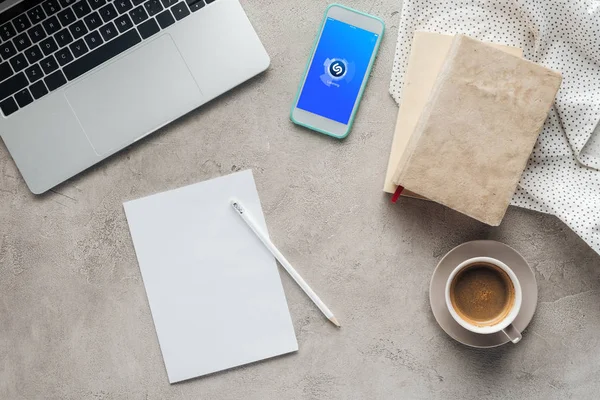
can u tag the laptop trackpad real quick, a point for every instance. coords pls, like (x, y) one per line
(134, 95)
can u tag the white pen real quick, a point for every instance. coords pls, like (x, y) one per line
(244, 213)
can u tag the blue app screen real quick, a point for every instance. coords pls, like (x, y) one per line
(337, 70)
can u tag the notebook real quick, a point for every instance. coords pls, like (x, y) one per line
(427, 56)
(213, 288)
(477, 130)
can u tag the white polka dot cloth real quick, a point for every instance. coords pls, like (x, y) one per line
(563, 173)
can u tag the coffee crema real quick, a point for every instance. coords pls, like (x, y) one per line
(482, 294)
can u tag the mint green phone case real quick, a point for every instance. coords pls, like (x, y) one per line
(367, 74)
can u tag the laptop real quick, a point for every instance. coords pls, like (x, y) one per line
(82, 79)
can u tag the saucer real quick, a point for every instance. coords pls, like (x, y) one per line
(481, 248)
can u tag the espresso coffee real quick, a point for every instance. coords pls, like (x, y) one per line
(482, 294)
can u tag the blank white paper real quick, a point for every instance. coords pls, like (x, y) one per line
(214, 289)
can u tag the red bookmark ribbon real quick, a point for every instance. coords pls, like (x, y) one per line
(397, 193)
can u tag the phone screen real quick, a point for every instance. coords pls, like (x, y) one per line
(337, 70)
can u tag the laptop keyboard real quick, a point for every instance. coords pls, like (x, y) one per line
(46, 45)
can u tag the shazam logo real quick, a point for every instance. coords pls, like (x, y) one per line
(337, 69)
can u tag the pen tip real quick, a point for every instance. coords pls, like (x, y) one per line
(335, 322)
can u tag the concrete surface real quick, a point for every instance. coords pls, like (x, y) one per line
(75, 322)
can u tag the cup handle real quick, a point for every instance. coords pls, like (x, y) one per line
(513, 334)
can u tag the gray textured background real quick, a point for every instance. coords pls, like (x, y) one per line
(75, 322)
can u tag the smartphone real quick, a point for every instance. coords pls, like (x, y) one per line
(337, 72)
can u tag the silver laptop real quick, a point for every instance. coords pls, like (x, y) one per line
(82, 79)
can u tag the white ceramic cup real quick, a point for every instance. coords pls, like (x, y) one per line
(505, 325)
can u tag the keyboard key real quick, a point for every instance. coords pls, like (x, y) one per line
(102, 54)
(195, 5)
(165, 19)
(138, 15)
(33, 54)
(93, 21)
(34, 73)
(209, 1)
(148, 28)
(23, 97)
(55, 80)
(64, 56)
(78, 48)
(96, 4)
(18, 62)
(168, 3)
(22, 42)
(13, 84)
(38, 89)
(37, 33)
(51, 7)
(21, 23)
(180, 11)
(48, 46)
(123, 6)
(108, 12)
(153, 7)
(49, 64)
(36, 14)
(5, 70)
(81, 9)
(137, 2)
(93, 40)
(66, 3)
(7, 31)
(7, 50)
(66, 17)
(51, 25)
(78, 29)
(123, 23)
(9, 106)
(63, 38)
(108, 31)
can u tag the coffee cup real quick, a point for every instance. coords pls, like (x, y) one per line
(484, 296)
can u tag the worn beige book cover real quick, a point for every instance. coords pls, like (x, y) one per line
(427, 55)
(477, 130)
